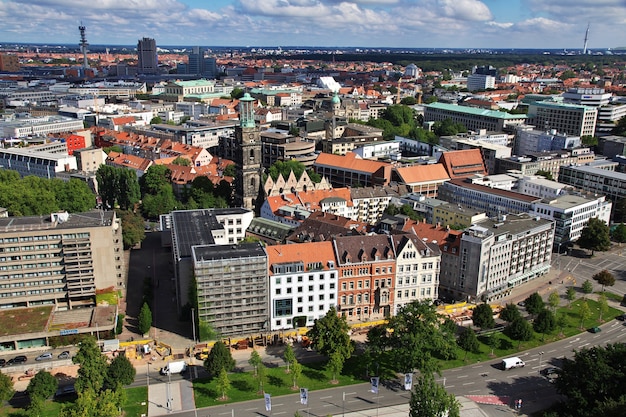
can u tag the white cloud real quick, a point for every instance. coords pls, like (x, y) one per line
(472, 10)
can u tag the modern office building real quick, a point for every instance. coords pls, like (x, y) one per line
(39, 126)
(595, 180)
(148, 60)
(529, 140)
(544, 161)
(284, 147)
(40, 163)
(593, 97)
(569, 119)
(473, 118)
(482, 78)
(59, 260)
(199, 64)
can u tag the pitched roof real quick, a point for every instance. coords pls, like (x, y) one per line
(357, 249)
(349, 162)
(129, 161)
(463, 163)
(446, 238)
(423, 173)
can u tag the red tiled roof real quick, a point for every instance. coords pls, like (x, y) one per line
(349, 162)
(306, 253)
(463, 163)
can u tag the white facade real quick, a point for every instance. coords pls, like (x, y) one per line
(377, 150)
(29, 161)
(541, 187)
(587, 96)
(40, 126)
(480, 82)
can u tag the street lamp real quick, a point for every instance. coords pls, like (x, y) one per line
(193, 325)
(540, 356)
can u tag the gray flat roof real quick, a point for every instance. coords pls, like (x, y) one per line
(193, 227)
(87, 219)
(600, 171)
(216, 252)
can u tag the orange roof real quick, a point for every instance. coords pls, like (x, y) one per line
(349, 161)
(423, 173)
(442, 235)
(463, 163)
(129, 161)
(123, 120)
(309, 199)
(306, 253)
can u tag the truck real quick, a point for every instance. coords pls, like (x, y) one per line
(510, 363)
(174, 367)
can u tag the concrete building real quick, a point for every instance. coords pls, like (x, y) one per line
(611, 146)
(284, 147)
(608, 116)
(544, 161)
(349, 170)
(422, 179)
(476, 82)
(379, 150)
(148, 60)
(593, 97)
(40, 163)
(595, 180)
(530, 140)
(571, 213)
(570, 119)
(232, 287)
(303, 283)
(473, 118)
(497, 255)
(59, 260)
(39, 126)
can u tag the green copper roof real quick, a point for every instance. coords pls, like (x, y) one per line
(476, 111)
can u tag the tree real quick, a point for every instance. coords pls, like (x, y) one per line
(418, 337)
(430, 399)
(230, 170)
(74, 195)
(482, 316)
(156, 120)
(223, 384)
(255, 360)
(619, 233)
(591, 380)
(589, 140)
(330, 334)
(42, 386)
(519, 330)
(128, 185)
(546, 174)
(133, 228)
(93, 366)
(534, 303)
(163, 202)
(155, 178)
(595, 236)
(603, 305)
(570, 294)
(296, 371)
(604, 278)
(289, 356)
(237, 93)
(89, 403)
(108, 186)
(544, 323)
(587, 287)
(179, 160)
(144, 321)
(468, 341)
(554, 299)
(620, 127)
(510, 312)
(619, 209)
(6, 387)
(121, 372)
(335, 365)
(493, 341)
(261, 374)
(561, 322)
(584, 312)
(220, 358)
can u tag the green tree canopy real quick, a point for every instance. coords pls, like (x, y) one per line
(6, 387)
(121, 372)
(237, 93)
(163, 202)
(519, 330)
(619, 233)
(223, 383)
(447, 127)
(547, 174)
(604, 278)
(482, 316)
(43, 385)
(156, 120)
(220, 358)
(534, 303)
(595, 236)
(570, 294)
(620, 127)
(545, 322)
(430, 399)
(510, 312)
(335, 364)
(179, 160)
(587, 287)
(468, 341)
(329, 334)
(144, 320)
(255, 360)
(594, 378)
(133, 228)
(289, 356)
(154, 179)
(417, 335)
(93, 366)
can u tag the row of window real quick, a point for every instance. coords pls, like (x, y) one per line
(288, 290)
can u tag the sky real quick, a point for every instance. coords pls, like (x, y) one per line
(544, 24)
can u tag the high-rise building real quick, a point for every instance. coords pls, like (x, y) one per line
(147, 56)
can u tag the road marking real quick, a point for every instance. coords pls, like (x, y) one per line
(475, 390)
(250, 409)
(477, 366)
(462, 376)
(490, 380)
(468, 383)
(280, 412)
(354, 401)
(553, 350)
(350, 393)
(449, 386)
(328, 396)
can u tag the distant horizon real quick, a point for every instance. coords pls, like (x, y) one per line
(411, 24)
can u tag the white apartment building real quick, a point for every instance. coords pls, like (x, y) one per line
(39, 126)
(594, 97)
(540, 187)
(31, 161)
(303, 283)
(375, 150)
(417, 270)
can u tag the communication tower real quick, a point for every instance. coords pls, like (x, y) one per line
(83, 45)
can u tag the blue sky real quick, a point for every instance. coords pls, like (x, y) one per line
(360, 23)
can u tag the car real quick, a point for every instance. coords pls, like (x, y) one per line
(17, 360)
(521, 304)
(621, 317)
(3, 363)
(64, 355)
(595, 329)
(65, 391)
(549, 371)
(44, 357)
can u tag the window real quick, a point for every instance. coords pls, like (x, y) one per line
(277, 291)
(299, 289)
(351, 285)
(359, 284)
(344, 286)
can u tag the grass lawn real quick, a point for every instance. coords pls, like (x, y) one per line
(109, 297)
(244, 386)
(24, 320)
(134, 399)
(51, 408)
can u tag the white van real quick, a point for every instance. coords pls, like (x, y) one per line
(510, 363)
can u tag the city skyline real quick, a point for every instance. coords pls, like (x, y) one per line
(551, 24)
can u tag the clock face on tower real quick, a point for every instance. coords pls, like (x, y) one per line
(251, 135)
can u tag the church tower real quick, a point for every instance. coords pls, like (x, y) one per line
(248, 156)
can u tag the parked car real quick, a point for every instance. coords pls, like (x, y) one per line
(64, 355)
(595, 329)
(549, 371)
(17, 360)
(44, 357)
(621, 317)
(3, 363)
(65, 391)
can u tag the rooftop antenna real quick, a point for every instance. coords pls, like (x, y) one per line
(586, 38)
(83, 45)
